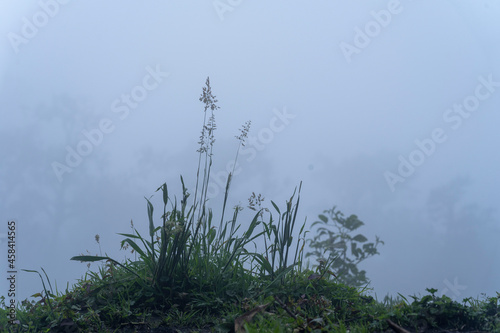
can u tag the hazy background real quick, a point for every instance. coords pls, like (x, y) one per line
(65, 66)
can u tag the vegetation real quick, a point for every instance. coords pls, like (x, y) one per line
(337, 244)
(197, 272)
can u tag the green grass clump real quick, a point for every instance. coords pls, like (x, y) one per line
(195, 273)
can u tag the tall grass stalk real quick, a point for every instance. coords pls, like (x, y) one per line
(274, 265)
(47, 294)
(188, 253)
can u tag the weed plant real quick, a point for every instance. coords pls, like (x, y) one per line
(197, 272)
(337, 244)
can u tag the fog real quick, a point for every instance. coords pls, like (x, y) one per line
(386, 109)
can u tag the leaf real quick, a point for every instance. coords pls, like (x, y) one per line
(323, 218)
(276, 207)
(340, 244)
(317, 222)
(135, 247)
(150, 216)
(354, 249)
(431, 290)
(129, 235)
(247, 317)
(302, 229)
(97, 258)
(353, 223)
(255, 222)
(356, 225)
(332, 273)
(87, 258)
(426, 299)
(211, 236)
(264, 263)
(360, 238)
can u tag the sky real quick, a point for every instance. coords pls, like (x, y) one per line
(385, 109)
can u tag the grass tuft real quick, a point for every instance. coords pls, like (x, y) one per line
(191, 275)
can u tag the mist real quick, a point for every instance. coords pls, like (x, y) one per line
(384, 109)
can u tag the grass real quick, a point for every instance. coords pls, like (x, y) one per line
(198, 272)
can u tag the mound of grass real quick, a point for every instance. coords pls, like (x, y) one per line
(194, 274)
